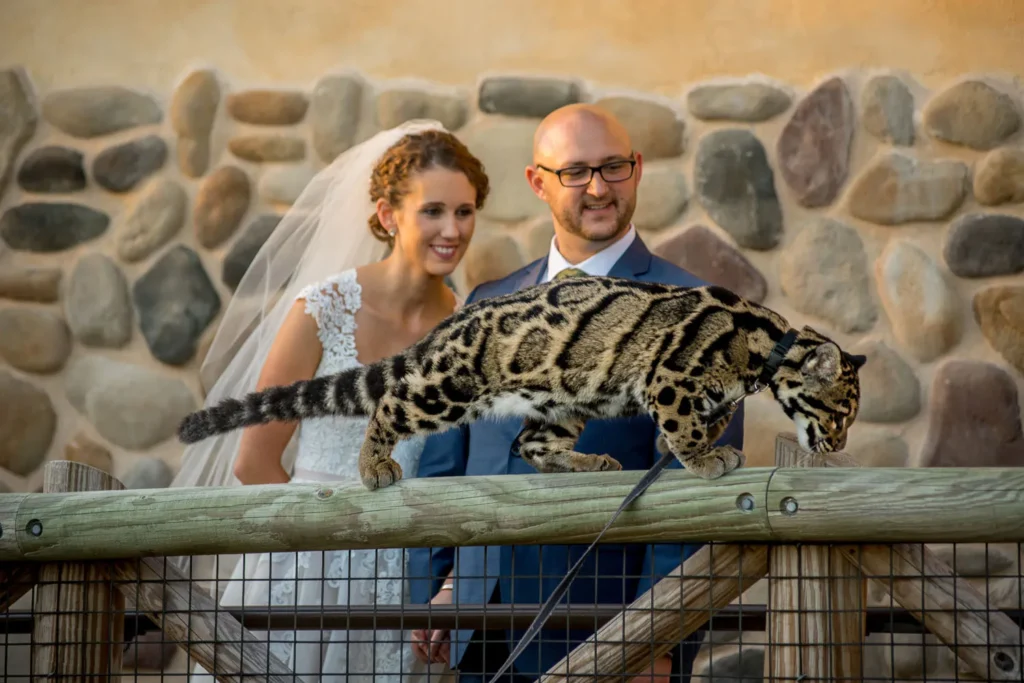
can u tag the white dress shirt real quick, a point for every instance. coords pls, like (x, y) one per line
(600, 263)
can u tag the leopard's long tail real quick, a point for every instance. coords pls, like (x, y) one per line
(352, 392)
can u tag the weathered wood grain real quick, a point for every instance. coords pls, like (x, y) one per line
(882, 505)
(191, 617)
(956, 612)
(78, 632)
(899, 505)
(456, 511)
(658, 620)
(816, 602)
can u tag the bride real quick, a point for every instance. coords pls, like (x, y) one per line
(325, 293)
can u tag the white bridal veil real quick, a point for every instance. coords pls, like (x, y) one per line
(324, 232)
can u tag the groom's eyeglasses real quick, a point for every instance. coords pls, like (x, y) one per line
(578, 176)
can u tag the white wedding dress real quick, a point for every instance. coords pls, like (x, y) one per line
(328, 450)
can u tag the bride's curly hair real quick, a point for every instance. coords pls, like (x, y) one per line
(414, 153)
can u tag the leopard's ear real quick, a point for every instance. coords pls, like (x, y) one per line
(856, 361)
(822, 364)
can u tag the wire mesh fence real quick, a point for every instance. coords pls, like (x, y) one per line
(730, 612)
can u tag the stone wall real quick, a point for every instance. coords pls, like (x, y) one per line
(880, 211)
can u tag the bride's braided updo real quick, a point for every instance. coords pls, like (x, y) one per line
(413, 154)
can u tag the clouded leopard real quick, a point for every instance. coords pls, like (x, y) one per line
(561, 353)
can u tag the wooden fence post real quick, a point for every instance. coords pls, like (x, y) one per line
(816, 600)
(79, 624)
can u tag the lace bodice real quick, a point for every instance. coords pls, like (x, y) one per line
(330, 445)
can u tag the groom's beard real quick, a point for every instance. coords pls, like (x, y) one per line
(573, 221)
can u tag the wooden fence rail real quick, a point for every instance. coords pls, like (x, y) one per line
(791, 504)
(97, 532)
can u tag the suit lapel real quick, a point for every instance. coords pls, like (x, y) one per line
(532, 275)
(635, 261)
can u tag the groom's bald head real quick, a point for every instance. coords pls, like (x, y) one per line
(567, 145)
(574, 127)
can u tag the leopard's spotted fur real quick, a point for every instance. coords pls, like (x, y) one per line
(561, 353)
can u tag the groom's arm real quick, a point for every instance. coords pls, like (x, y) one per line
(661, 558)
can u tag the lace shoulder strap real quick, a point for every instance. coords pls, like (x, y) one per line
(333, 303)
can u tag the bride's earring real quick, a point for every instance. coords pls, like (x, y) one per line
(391, 232)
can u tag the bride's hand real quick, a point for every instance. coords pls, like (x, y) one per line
(433, 646)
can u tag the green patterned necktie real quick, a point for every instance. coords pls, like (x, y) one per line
(569, 272)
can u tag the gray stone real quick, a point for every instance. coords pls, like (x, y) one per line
(985, 245)
(221, 202)
(398, 105)
(130, 406)
(285, 184)
(505, 147)
(34, 341)
(999, 177)
(745, 665)
(28, 423)
(825, 273)
(887, 451)
(245, 248)
(923, 308)
(889, 388)
(48, 227)
(269, 147)
(18, 120)
(192, 113)
(121, 167)
(40, 285)
(334, 114)
(999, 312)
(896, 188)
(93, 111)
(698, 250)
(153, 221)
(86, 451)
(267, 107)
(176, 301)
(972, 114)
(194, 104)
(813, 150)
(490, 257)
(52, 169)
(537, 236)
(749, 102)
(149, 473)
(657, 132)
(661, 197)
(736, 186)
(973, 418)
(888, 110)
(98, 306)
(527, 96)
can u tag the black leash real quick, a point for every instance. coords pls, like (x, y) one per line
(563, 585)
(725, 410)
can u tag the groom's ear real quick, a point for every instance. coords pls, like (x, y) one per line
(536, 182)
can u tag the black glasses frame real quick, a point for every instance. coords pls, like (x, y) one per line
(590, 176)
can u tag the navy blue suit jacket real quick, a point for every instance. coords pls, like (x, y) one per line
(482, 448)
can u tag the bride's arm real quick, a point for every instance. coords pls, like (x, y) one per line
(294, 355)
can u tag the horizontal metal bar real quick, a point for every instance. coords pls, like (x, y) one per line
(481, 617)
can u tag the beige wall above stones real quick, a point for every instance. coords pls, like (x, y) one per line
(874, 191)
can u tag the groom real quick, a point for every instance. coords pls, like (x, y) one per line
(586, 170)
